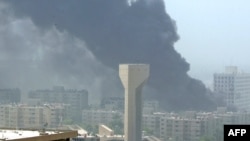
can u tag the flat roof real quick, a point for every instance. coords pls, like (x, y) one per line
(34, 135)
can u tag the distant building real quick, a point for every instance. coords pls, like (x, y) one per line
(113, 103)
(24, 116)
(151, 124)
(212, 122)
(117, 104)
(8, 96)
(191, 125)
(150, 106)
(77, 99)
(179, 129)
(234, 86)
(96, 117)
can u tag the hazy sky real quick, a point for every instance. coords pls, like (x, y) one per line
(213, 34)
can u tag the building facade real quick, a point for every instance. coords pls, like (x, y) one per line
(76, 99)
(234, 86)
(179, 129)
(37, 117)
(150, 106)
(191, 125)
(96, 117)
(113, 103)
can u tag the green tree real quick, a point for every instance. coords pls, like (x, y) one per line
(148, 131)
(68, 121)
(206, 138)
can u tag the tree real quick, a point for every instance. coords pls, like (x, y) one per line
(68, 121)
(206, 138)
(148, 131)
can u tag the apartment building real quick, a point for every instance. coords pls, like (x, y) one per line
(76, 99)
(213, 122)
(191, 125)
(25, 116)
(150, 106)
(112, 103)
(96, 117)
(178, 129)
(151, 123)
(117, 103)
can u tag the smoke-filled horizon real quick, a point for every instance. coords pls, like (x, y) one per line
(82, 42)
(36, 58)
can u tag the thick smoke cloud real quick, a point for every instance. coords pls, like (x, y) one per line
(117, 32)
(35, 58)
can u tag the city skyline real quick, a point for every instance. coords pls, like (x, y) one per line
(85, 53)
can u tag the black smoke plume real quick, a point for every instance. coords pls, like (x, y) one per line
(118, 32)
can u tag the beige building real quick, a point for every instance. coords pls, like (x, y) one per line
(151, 124)
(191, 125)
(212, 122)
(150, 106)
(96, 117)
(178, 129)
(112, 103)
(24, 116)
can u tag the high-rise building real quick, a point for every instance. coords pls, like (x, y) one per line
(234, 86)
(133, 77)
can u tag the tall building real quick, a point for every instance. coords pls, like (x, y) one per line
(133, 77)
(76, 99)
(234, 86)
